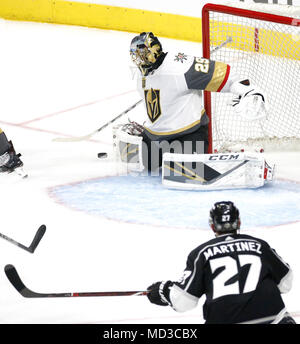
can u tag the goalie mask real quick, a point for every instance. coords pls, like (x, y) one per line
(224, 218)
(145, 50)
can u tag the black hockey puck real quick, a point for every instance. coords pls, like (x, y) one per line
(102, 155)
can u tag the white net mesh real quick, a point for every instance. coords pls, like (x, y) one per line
(267, 53)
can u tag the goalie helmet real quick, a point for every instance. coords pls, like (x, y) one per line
(224, 217)
(145, 50)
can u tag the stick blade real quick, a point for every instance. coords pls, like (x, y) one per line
(37, 238)
(15, 280)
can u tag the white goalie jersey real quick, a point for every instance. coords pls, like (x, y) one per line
(173, 97)
(172, 94)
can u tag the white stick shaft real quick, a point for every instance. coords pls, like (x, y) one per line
(86, 137)
(228, 40)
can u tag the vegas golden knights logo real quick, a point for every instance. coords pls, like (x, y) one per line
(152, 98)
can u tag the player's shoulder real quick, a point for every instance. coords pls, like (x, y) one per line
(243, 237)
(200, 248)
(252, 238)
(176, 63)
(226, 238)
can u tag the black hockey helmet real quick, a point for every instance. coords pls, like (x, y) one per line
(224, 217)
(145, 49)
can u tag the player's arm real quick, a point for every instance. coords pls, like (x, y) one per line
(182, 295)
(214, 76)
(280, 270)
(207, 75)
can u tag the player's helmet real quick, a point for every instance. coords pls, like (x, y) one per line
(145, 49)
(224, 217)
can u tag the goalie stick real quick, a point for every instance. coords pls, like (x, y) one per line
(228, 40)
(37, 238)
(16, 281)
(86, 137)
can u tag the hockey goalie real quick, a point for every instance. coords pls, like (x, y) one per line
(174, 134)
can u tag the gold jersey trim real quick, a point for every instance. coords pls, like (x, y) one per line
(166, 133)
(219, 75)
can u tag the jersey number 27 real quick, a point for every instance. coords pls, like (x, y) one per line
(227, 281)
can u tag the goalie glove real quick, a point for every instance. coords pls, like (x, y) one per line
(251, 105)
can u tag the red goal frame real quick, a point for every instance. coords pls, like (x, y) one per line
(206, 41)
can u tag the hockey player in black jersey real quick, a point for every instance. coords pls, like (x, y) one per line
(9, 160)
(241, 276)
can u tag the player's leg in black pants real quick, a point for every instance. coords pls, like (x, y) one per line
(198, 141)
(195, 142)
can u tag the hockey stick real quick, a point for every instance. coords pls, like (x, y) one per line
(37, 238)
(86, 137)
(228, 40)
(15, 280)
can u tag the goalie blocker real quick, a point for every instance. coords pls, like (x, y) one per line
(195, 171)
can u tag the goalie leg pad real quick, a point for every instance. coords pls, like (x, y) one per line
(269, 172)
(128, 149)
(215, 171)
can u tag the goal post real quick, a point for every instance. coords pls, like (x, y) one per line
(264, 46)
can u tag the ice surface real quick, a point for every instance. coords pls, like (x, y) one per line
(142, 199)
(104, 234)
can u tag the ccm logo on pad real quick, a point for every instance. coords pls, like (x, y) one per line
(224, 157)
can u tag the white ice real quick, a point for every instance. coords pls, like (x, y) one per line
(59, 81)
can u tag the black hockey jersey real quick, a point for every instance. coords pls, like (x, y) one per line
(241, 276)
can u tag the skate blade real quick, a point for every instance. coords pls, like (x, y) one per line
(20, 172)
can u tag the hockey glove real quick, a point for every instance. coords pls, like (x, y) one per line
(159, 293)
(251, 105)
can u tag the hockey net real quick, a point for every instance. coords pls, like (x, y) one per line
(262, 43)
